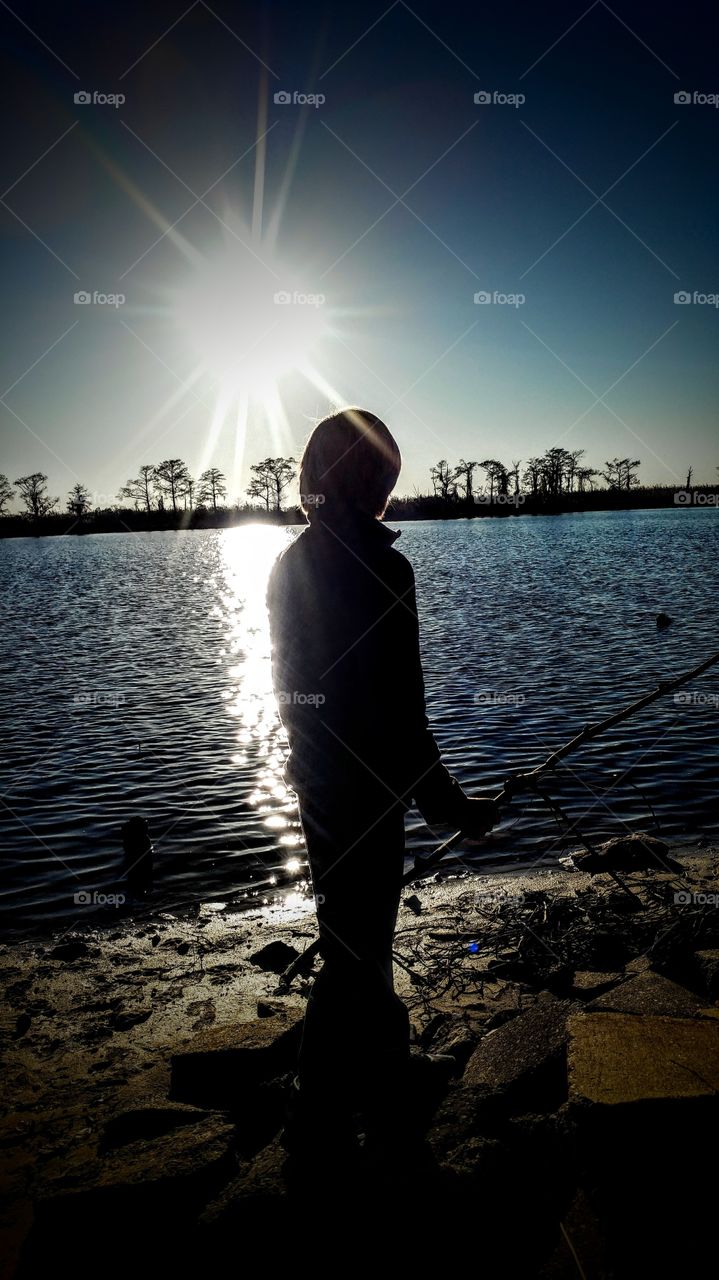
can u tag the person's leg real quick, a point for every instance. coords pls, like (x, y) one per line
(356, 1035)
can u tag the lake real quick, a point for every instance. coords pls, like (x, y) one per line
(136, 680)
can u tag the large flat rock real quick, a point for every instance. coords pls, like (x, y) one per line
(616, 1058)
(218, 1067)
(649, 993)
(519, 1051)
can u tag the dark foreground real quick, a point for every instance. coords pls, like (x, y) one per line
(147, 1067)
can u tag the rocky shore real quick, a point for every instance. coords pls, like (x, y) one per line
(146, 1066)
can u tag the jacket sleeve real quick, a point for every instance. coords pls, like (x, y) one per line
(438, 795)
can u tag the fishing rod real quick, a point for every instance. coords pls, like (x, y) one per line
(523, 781)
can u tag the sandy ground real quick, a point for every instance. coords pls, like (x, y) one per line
(91, 1019)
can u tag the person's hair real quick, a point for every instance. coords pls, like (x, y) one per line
(351, 461)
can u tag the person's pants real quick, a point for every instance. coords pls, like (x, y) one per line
(355, 1043)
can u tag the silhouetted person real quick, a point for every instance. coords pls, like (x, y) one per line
(348, 680)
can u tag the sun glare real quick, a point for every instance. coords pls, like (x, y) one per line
(248, 330)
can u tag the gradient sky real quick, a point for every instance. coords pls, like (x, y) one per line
(503, 201)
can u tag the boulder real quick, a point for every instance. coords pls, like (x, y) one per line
(275, 957)
(617, 1058)
(222, 1063)
(587, 983)
(648, 993)
(637, 852)
(523, 1058)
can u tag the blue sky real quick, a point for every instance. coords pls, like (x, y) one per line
(397, 199)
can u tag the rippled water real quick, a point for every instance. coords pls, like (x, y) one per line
(136, 679)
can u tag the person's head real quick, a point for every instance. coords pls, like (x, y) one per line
(351, 463)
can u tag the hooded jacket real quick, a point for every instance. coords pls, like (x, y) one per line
(347, 672)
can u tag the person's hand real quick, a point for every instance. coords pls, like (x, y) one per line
(477, 817)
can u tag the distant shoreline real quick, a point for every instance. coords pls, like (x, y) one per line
(402, 509)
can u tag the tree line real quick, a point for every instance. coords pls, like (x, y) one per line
(164, 486)
(169, 487)
(557, 472)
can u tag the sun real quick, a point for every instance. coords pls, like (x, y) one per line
(248, 324)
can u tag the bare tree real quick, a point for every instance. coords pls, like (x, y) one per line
(532, 475)
(585, 476)
(213, 485)
(33, 492)
(170, 477)
(497, 475)
(270, 479)
(465, 471)
(187, 491)
(139, 490)
(7, 493)
(443, 480)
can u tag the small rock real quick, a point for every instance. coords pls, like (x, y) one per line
(413, 904)
(265, 1010)
(69, 951)
(23, 1024)
(637, 852)
(124, 1021)
(275, 957)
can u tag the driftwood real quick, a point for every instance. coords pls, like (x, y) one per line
(526, 781)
